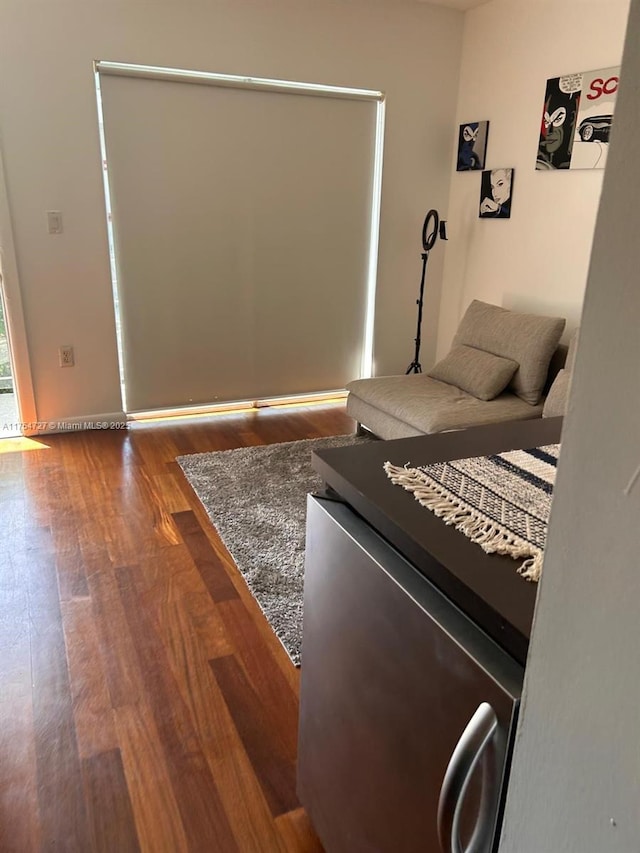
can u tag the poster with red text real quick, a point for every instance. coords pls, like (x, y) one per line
(577, 118)
(595, 118)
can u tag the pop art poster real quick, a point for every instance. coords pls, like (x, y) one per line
(472, 146)
(576, 120)
(496, 192)
(595, 118)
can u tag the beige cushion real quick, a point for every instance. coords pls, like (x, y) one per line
(382, 424)
(528, 339)
(417, 403)
(571, 352)
(556, 403)
(479, 373)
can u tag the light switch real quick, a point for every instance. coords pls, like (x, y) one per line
(54, 221)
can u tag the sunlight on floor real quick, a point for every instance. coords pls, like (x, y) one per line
(140, 418)
(19, 444)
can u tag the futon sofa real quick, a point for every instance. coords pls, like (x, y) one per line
(501, 365)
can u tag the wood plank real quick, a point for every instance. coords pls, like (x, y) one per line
(63, 523)
(209, 565)
(158, 820)
(117, 649)
(69, 562)
(19, 809)
(194, 787)
(97, 450)
(19, 818)
(181, 607)
(35, 470)
(269, 753)
(128, 534)
(167, 598)
(266, 671)
(92, 504)
(168, 492)
(92, 710)
(297, 833)
(119, 510)
(62, 810)
(206, 621)
(161, 521)
(77, 489)
(109, 806)
(153, 445)
(228, 428)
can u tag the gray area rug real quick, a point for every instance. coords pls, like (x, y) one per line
(256, 498)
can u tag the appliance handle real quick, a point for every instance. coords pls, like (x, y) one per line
(477, 735)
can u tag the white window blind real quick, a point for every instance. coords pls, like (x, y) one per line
(242, 223)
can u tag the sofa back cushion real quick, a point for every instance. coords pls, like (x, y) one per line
(527, 339)
(555, 404)
(571, 352)
(479, 373)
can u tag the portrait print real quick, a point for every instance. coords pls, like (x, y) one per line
(472, 146)
(496, 192)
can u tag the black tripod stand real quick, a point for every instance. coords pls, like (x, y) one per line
(431, 229)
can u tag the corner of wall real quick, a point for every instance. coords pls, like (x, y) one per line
(538, 259)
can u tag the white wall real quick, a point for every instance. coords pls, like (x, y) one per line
(575, 779)
(51, 155)
(538, 259)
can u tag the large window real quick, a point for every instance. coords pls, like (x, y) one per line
(245, 232)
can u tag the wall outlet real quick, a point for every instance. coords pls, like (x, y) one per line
(65, 356)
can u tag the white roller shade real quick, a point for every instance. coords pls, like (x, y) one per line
(242, 224)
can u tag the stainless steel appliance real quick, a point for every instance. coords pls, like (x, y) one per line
(407, 707)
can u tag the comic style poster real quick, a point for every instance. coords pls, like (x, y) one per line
(576, 120)
(472, 145)
(595, 118)
(559, 117)
(496, 192)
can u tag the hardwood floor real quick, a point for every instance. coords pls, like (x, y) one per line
(145, 704)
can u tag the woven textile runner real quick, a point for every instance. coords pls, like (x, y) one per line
(502, 502)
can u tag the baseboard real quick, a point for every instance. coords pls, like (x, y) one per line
(107, 420)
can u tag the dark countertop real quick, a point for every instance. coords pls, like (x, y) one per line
(485, 586)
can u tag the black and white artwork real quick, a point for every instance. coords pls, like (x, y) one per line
(472, 146)
(577, 118)
(496, 192)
